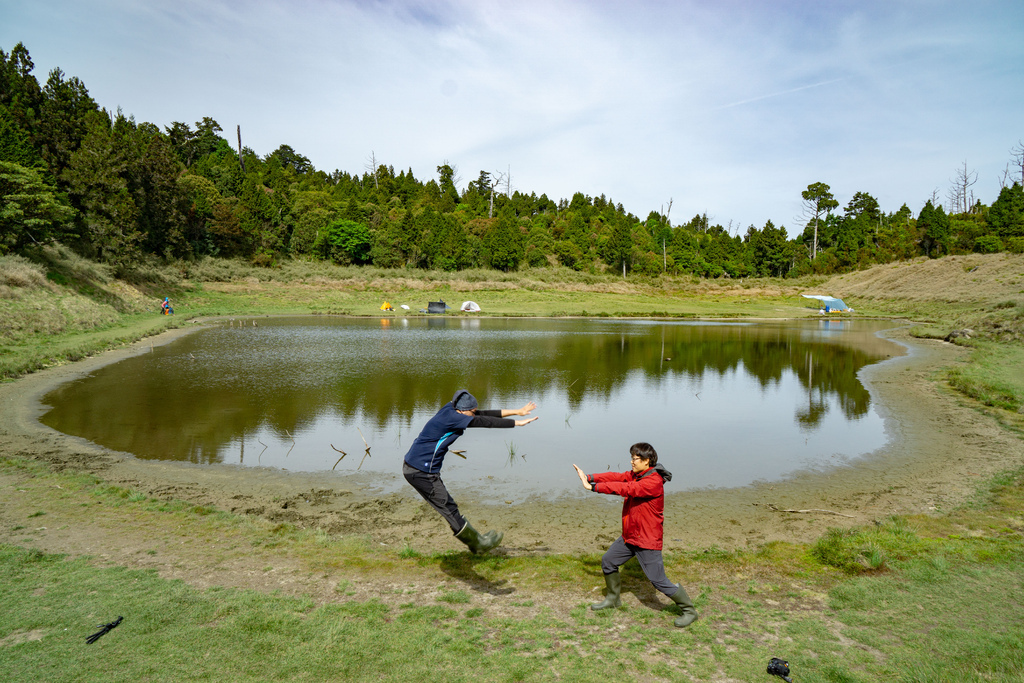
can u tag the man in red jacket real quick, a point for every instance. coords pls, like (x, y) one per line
(643, 518)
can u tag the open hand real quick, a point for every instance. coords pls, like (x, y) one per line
(520, 423)
(527, 409)
(583, 478)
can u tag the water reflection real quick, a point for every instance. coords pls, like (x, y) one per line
(727, 403)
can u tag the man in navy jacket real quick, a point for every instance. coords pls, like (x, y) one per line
(423, 462)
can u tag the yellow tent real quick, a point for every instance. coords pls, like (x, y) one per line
(386, 307)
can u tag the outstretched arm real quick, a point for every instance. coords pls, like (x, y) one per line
(525, 410)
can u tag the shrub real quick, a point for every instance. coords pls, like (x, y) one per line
(988, 244)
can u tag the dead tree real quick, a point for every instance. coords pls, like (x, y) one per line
(664, 252)
(495, 179)
(1017, 155)
(371, 167)
(960, 194)
(241, 160)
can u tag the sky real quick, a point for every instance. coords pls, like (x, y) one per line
(725, 107)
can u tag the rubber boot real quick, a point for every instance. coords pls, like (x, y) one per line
(611, 599)
(476, 542)
(683, 600)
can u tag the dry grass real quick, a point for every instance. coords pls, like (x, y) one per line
(61, 292)
(975, 278)
(554, 279)
(18, 274)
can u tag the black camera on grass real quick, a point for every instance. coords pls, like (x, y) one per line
(779, 667)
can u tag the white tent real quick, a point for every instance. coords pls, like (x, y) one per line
(470, 306)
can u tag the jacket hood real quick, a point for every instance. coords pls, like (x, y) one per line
(463, 400)
(660, 469)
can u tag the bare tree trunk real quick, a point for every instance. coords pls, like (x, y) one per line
(664, 253)
(961, 196)
(1005, 180)
(371, 165)
(241, 161)
(497, 180)
(814, 250)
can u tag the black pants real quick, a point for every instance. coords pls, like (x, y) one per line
(433, 491)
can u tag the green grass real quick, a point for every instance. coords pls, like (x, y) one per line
(939, 621)
(326, 299)
(924, 621)
(995, 375)
(172, 632)
(43, 350)
(942, 606)
(931, 598)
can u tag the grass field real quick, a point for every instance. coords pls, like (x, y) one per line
(911, 599)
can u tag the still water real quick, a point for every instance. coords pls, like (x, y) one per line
(724, 404)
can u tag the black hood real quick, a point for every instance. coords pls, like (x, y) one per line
(660, 469)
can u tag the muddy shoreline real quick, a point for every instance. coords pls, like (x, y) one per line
(939, 449)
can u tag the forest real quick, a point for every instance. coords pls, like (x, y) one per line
(121, 192)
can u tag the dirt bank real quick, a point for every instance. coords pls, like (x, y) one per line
(939, 449)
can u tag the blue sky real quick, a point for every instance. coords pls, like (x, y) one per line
(730, 108)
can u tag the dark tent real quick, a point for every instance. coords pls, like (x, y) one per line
(437, 307)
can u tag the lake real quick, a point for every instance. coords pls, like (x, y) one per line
(724, 404)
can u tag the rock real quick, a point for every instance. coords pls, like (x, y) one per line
(959, 334)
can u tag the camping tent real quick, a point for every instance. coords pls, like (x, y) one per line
(470, 306)
(829, 303)
(437, 307)
(386, 307)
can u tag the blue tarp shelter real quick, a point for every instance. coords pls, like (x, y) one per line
(829, 303)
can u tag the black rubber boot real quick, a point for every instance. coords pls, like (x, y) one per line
(478, 543)
(613, 582)
(683, 600)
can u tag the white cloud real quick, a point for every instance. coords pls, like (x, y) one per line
(726, 107)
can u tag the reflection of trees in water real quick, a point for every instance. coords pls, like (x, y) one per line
(158, 404)
(826, 370)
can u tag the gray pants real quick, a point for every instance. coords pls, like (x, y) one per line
(650, 561)
(433, 491)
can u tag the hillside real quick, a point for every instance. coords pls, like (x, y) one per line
(981, 279)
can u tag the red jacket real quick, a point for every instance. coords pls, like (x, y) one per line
(643, 511)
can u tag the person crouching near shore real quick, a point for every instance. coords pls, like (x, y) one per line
(643, 519)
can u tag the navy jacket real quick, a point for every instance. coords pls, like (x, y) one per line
(428, 450)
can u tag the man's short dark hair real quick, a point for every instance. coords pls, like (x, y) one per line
(645, 451)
